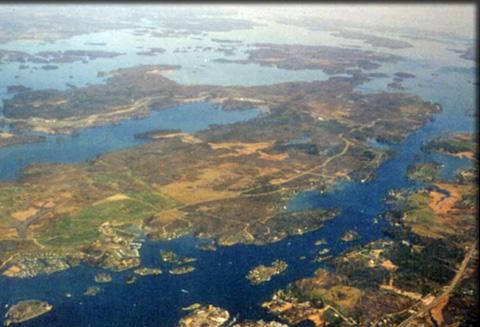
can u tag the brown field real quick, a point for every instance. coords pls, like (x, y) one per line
(437, 311)
(25, 215)
(202, 189)
(442, 204)
(239, 148)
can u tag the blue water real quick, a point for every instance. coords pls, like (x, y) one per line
(97, 140)
(219, 277)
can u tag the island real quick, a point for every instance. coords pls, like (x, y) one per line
(144, 271)
(9, 138)
(459, 145)
(49, 67)
(92, 291)
(210, 246)
(262, 274)
(349, 236)
(320, 242)
(173, 258)
(103, 278)
(181, 270)
(426, 172)
(209, 315)
(151, 52)
(373, 40)
(26, 310)
(332, 60)
(130, 279)
(212, 316)
(49, 58)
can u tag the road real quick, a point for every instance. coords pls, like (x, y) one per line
(450, 287)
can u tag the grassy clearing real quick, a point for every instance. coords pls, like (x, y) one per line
(81, 227)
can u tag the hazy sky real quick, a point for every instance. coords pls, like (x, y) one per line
(449, 18)
(444, 18)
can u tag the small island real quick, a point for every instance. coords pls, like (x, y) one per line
(130, 279)
(103, 278)
(350, 236)
(92, 291)
(26, 310)
(144, 271)
(151, 52)
(320, 242)
(425, 172)
(173, 258)
(181, 270)
(262, 273)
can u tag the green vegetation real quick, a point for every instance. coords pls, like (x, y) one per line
(453, 144)
(81, 226)
(424, 172)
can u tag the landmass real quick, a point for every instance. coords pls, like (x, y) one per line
(209, 315)
(9, 138)
(212, 316)
(398, 78)
(48, 58)
(426, 172)
(373, 40)
(322, 255)
(227, 41)
(230, 184)
(199, 24)
(350, 235)
(210, 246)
(49, 67)
(17, 89)
(98, 44)
(181, 270)
(262, 274)
(331, 60)
(26, 310)
(40, 23)
(459, 145)
(92, 291)
(145, 271)
(468, 53)
(173, 258)
(320, 242)
(151, 52)
(103, 278)
(130, 280)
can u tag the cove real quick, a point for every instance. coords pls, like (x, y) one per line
(94, 141)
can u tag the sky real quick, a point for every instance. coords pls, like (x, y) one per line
(451, 18)
(443, 18)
